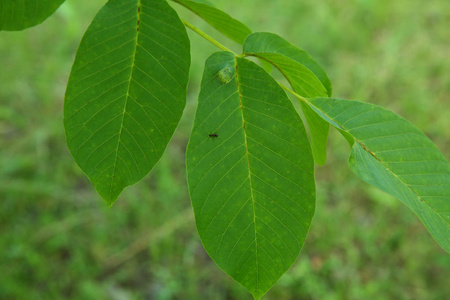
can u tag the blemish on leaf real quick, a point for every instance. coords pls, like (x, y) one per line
(368, 151)
(225, 75)
(139, 19)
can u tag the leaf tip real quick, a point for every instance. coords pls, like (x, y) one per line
(108, 195)
(257, 295)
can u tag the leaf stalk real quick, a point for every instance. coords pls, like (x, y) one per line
(206, 37)
(293, 93)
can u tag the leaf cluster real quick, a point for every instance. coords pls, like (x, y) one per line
(250, 160)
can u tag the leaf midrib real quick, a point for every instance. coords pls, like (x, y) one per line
(133, 65)
(249, 170)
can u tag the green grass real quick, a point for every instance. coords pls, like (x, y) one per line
(58, 240)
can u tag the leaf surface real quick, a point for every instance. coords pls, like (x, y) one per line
(305, 75)
(126, 92)
(396, 157)
(223, 22)
(21, 14)
(250, 172)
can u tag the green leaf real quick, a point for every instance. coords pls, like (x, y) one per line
(218, 19)
(250, 172)
(202, 1)
(265, 42)
(304, 74)
(21, 14)
(396, 157)
(266, 65)
(126, 92)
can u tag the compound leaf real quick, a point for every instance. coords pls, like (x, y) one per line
(218, 19)
(250, 172)
(126, 92)
(305, 75)
(21, 14)
(396, 157)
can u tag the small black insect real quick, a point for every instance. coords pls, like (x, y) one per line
(213, 135)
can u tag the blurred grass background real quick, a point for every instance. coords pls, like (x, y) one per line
(58, 240)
